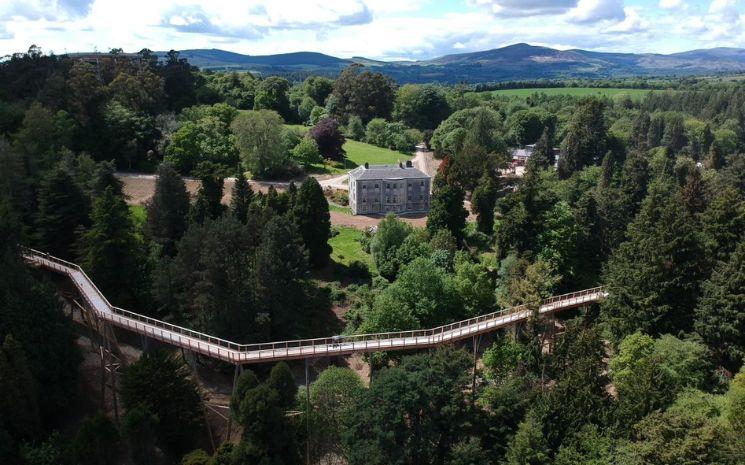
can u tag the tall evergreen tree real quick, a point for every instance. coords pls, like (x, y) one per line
(585, 140)
(105, 176)
(483, 202)
(640, 131)
(543, 154)
(110, 251)
(720, 314)
(723, 224)
(168, 210)
(447, 212)
(653, 277)
(281, 265)
(241, 198)
(528, 446)
(63, 209)
(311, 215)
(208, 203)
(19, 409)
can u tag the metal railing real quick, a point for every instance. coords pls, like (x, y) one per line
(245, 353)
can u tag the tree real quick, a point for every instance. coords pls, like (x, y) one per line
(110, 252)
(281, 380)
(384, 246)
(311, 215)
(720, 314)
(167, 211)
(355, 129)
(528, 446)
(585, 140)
(138, 428)
(363, 93)
(526, 126)
(475, 287)
(241, 198)
(723, 224)
(329, 138)
(413, 413)
(271, 94)
(105, 176)
(281, 265)
(483, 202)
(19, 408)
(205, 138)
(208, 203)
(96, 441)
(447, 212)
(653, 278)
(259, 140)
(63, 209)
(318, 88)
(332, 395)
(421, 107)
(306, 152)
(543, 154)
(179, 82)
(476, 125)
(161, 382)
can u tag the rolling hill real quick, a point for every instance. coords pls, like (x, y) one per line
(514, 62)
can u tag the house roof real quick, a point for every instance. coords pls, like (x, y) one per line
(386, 172)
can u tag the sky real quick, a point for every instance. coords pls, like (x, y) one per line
(379, 29)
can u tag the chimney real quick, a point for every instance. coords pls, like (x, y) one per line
(408, 164)
(367, 165)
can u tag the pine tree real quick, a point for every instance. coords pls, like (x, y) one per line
(640, 130)
(311, 215)
(110, 252)
(19, 408)
(693, 193)
(585, 140)
(281, 265)
(720, 314)
(241, 198)
(281, 380)
(105, 176)
(543, 154)
(483, 202)
(63, 209)
(208, 203)
(528, 446)
(714, 159)
(168, 210)
(447, 212)
(653, 278)
(723, 224)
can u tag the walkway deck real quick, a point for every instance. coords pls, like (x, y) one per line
(298, 349)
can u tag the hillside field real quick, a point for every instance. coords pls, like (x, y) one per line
(573, 91)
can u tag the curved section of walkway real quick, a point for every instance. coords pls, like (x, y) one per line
(298, 349)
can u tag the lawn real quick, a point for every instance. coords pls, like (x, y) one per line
(573, 91)
(346, 248)
(139, 216)
(359, 153)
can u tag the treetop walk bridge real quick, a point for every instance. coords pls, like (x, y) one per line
(241, 354)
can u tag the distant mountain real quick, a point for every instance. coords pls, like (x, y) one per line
(514, 62)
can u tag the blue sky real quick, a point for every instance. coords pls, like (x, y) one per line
(384, 29)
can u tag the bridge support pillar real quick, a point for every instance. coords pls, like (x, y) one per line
(307, 414)
(236, 375)
(476, 342)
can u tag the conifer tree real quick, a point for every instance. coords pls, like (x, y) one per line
(19, 407)
(167, 212)
(483, 202)
(528, 446)
(447, 212)
(281, 265)
(585, 140)
(281, 380)
(208, 203)
(311, 215)
(105, 176)
(63, 209)
(543, 153)
(723, 224)
(110, 252)
(653, 277)
(720, 314)
(640, 130)
(241, 198)
(714, 159)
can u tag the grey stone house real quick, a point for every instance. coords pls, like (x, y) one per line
(388, 188)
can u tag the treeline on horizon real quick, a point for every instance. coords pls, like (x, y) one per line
(647, 198)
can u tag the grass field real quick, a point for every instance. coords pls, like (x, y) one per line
(573, 91)
(346, 248)
(359, 153)
(139, 216)
(340, 209)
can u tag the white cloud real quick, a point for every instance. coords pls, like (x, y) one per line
(670, 4)
(591, 11)
(632, 23)
(513, 8)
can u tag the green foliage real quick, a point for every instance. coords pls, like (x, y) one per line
(110, 251)
(138, 428)
(63, 209)
(447, 212)
(271, 94)
(384, 246)
(719, 314)
(412, 413)
(526, 126)
(585, 140)
(421, 107)
(19, 408)
(528, 446)
(306, 152)
(258, 136)
(160, 381)
(483, 202)
(241, 198)
(311, 214)
(206, 139)
(474, 285)
(363, 93)
(281, 380)
(479, 126)
(589, 447)
(355, 129)
(96, 442)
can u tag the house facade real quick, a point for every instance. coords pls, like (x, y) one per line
(388, 188)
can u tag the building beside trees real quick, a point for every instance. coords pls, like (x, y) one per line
(388, 188)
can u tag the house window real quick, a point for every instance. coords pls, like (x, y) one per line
(376, 186)
(421, 183)
(387, 185)
(364, 186)
(409, 186)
